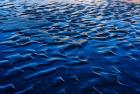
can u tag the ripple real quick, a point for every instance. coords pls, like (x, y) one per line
(69, 46)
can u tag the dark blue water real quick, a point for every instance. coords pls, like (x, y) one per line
(69, 47)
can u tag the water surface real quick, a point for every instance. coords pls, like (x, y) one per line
(69, 47)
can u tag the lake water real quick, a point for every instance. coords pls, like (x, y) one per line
(69, 47)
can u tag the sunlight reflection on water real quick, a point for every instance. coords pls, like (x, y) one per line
(133, 1)
(42, 2)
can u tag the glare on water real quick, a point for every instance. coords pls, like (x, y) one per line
(98, 2)
(132, 1)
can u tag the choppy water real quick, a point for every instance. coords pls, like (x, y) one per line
(69, 47)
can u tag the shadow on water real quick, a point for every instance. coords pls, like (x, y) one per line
(69, 47)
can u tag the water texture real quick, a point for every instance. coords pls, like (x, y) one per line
(69, 47)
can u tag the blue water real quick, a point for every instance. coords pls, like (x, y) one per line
(69, 47)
